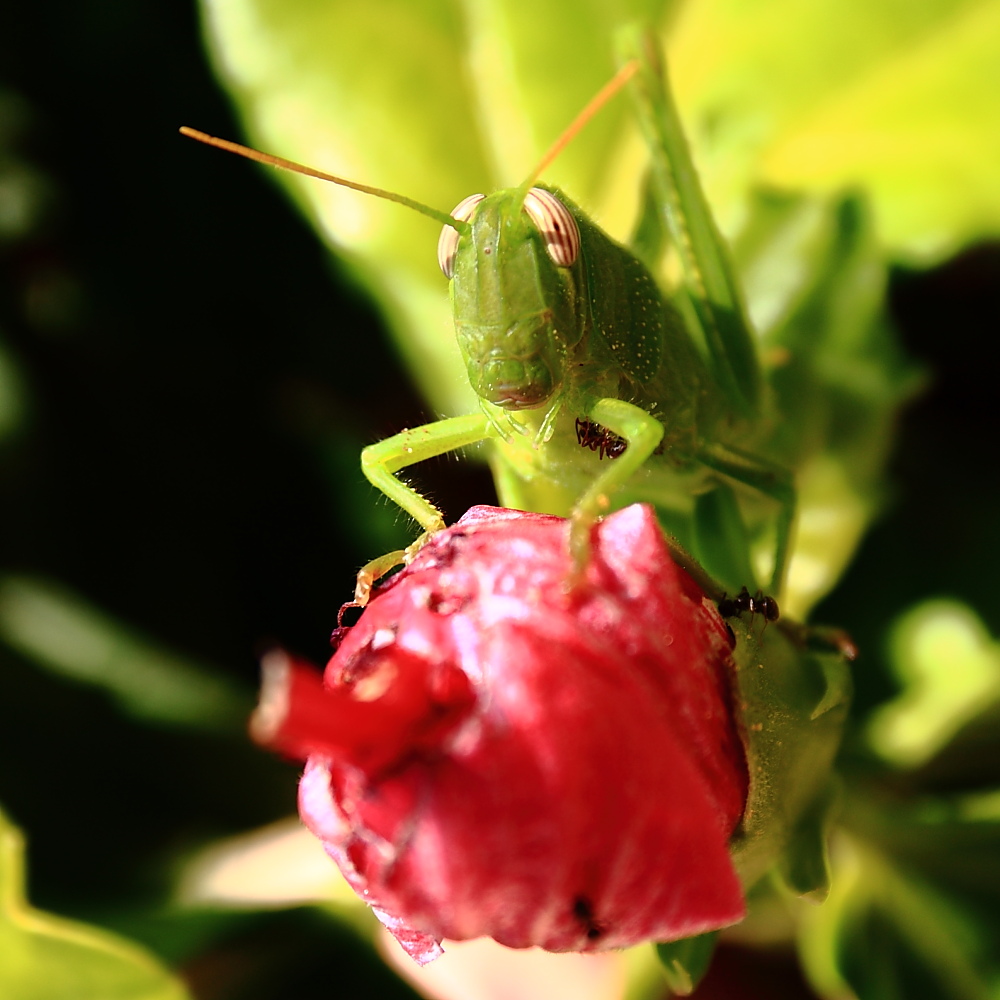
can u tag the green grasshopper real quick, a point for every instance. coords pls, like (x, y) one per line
(577, 356)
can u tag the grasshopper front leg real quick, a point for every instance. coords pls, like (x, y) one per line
(380, 462)
(643, 434)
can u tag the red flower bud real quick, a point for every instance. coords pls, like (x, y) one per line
(494, 753)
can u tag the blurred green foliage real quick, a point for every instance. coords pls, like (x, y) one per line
(42, 956)
(186, 381)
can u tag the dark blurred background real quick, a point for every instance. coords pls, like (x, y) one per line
(196, 378)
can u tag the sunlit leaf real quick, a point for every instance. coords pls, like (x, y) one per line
(897, 98)
(45, 957)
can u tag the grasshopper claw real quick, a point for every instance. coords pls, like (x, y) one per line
(581, 526)
(372, 571)
(411, 550)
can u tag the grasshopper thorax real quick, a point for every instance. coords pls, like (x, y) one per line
(513, 278)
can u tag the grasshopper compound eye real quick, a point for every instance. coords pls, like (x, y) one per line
(448, 240)
(556, 224)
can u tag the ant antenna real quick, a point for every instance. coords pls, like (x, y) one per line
(297, 168)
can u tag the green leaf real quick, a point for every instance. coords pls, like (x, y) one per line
(899, 98)
(886, 933)
(805, 867)
(915, 904)
(816, 279)
(44, 957)
(721, 543)
(685, 962)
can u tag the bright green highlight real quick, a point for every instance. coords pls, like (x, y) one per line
(949, 667)
(63, 633)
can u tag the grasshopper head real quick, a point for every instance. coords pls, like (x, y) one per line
(512, 283)
(508, 369)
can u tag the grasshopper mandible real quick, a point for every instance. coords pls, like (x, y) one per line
(576, 354)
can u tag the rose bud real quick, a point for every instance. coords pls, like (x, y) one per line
(493, 752)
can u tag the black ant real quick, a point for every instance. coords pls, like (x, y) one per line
(756, 604)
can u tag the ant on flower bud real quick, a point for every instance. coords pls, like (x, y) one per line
(756, 604)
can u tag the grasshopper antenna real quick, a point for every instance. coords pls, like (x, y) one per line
(297, 168)
(593, 106)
